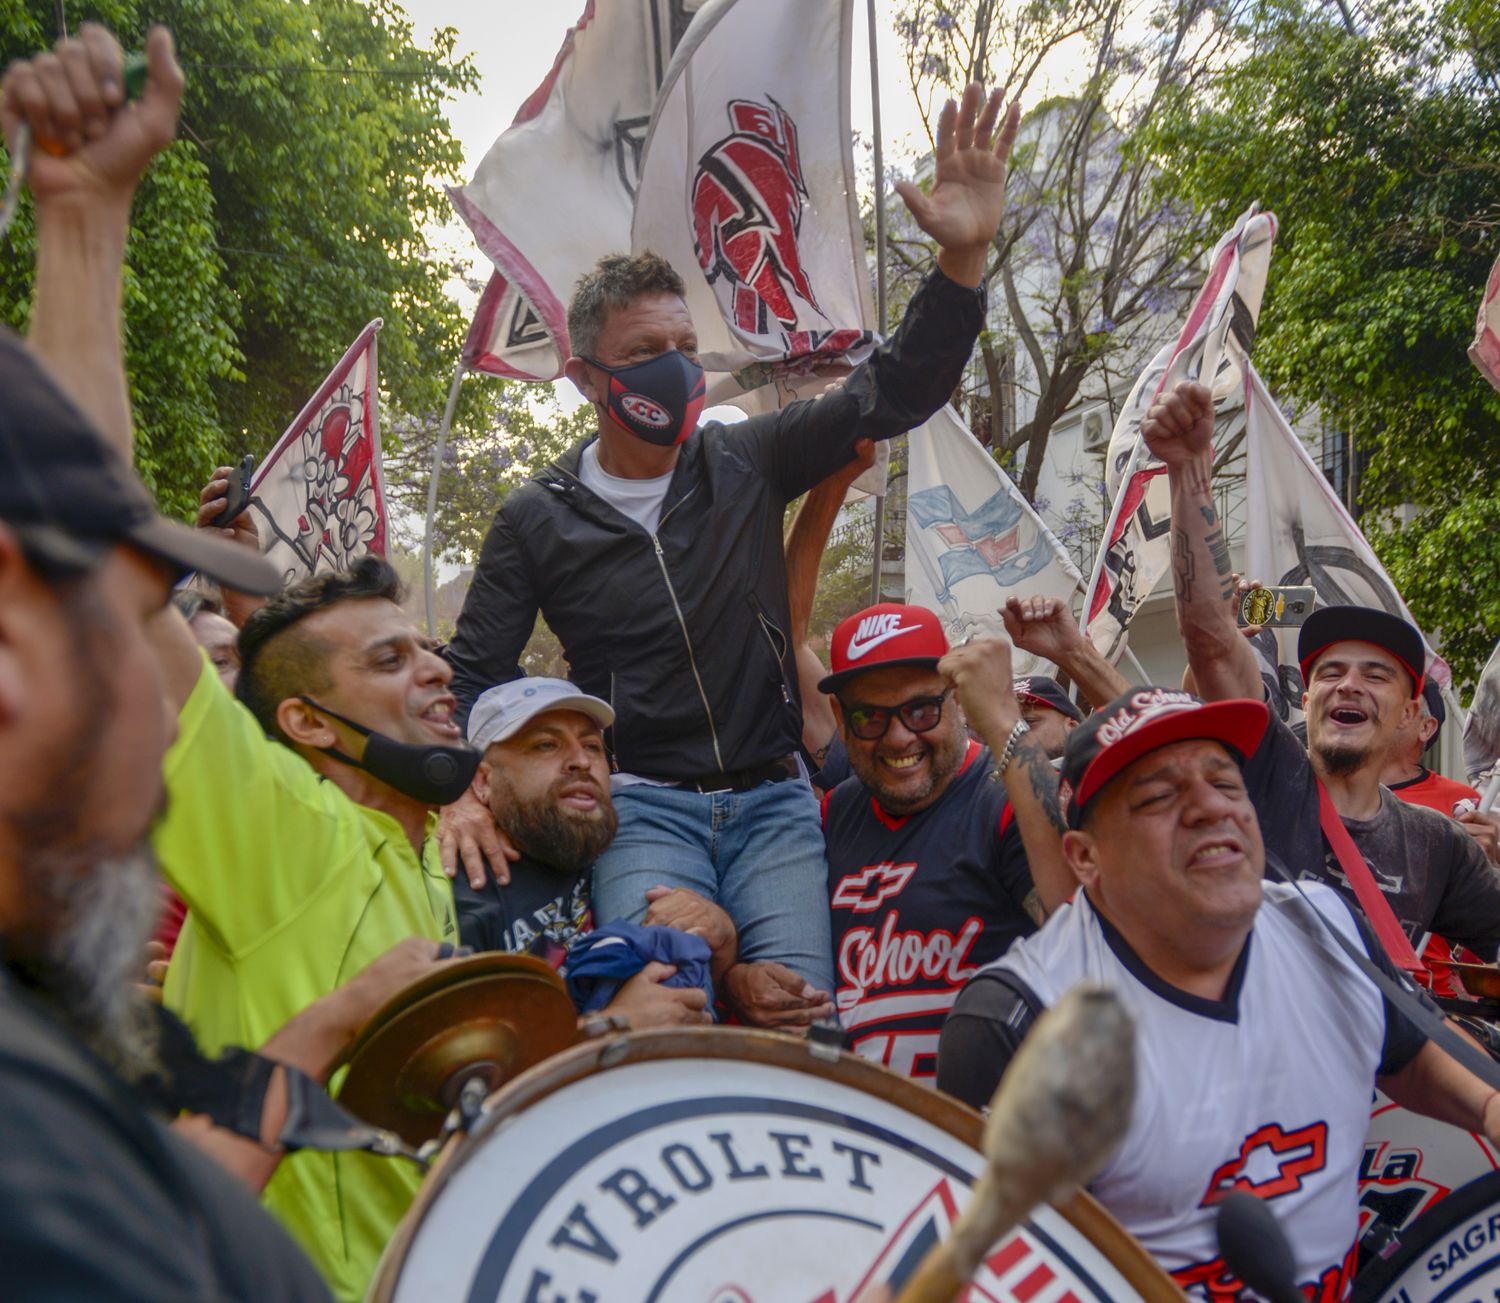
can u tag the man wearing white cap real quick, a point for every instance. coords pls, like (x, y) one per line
(545, 779)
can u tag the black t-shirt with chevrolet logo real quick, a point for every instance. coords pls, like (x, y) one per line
(1432, 873)
(918, 905)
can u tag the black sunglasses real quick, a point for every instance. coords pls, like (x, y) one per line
(871, 723)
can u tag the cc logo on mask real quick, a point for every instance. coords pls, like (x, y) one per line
(646, 410)
(439, 769)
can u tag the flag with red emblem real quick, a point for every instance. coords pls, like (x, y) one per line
(555, 191)
(1213, 348)
(747, 188)
(319, 497)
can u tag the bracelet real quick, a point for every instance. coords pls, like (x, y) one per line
(1008, 753)
(597, 1025)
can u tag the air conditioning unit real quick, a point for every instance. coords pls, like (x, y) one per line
(1096, 429)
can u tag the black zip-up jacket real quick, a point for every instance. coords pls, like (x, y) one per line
(683, 631)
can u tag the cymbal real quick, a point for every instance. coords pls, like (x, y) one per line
(491, 1016)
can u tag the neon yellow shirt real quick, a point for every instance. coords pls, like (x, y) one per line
(291, 888)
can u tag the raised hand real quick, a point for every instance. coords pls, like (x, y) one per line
(1179, 428)
(1043, 626)
(962, 211)
(212, 501)
(90, 144)
(980, 672)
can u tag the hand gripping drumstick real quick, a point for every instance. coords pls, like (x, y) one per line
(1060, 1110)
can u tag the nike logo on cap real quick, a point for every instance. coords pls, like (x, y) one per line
(866, 640)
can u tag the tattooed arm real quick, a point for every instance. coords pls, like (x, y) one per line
(1179, 429)
(980, 671)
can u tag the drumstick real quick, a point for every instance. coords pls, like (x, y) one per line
(1059, 1112)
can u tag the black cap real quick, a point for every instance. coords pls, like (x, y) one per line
(1143, 720)
(1047, 692)
(1433, 696)
(72, 497)
(1333, 624)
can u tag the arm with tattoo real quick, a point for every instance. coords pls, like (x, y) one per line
(981, 673)
(1179, 429)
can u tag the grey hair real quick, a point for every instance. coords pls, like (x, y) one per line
(617, 280)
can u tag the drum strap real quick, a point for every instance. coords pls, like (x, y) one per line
(1366, 890)
(1428, 1019)
(314, 1121)
(231, 1091)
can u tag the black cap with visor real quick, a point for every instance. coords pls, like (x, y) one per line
(70, 497)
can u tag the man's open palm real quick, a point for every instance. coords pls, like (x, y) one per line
(968, 185)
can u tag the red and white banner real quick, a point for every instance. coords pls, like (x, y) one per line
(319, 496)
(1213, 348)
(1297, 532)
(555, 192)
(1484, 352)
(747, 188)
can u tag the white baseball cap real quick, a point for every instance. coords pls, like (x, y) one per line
(501, 711)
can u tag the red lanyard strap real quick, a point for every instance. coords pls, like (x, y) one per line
(1366, 890)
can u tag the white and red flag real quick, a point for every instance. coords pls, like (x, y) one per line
(1212, 348)
(747, 188)
(972, 540)
(556, 189)
(1298, 533)
(1484, 352)
(319, 496)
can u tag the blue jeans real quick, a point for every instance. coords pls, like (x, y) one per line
(758, 855)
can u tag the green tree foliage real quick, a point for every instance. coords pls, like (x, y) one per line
(1093, 259)
(289, 213)
(513, 431)
(1376, 144)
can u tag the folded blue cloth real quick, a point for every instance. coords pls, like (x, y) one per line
(601, 962)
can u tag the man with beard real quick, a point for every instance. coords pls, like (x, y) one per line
(927, 860)
(300, 858)
(100, 1200)
(1363, 670)
(545, 779)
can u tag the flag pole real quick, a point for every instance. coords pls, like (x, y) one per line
(880, 304)
(432, 488)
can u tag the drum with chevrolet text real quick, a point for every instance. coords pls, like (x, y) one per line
(722, 1165)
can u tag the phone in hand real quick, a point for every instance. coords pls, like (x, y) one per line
(1279, 608)
(238, 496)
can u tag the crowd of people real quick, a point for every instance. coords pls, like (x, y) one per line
(912, 841)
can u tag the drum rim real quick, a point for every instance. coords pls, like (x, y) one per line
(1457, 1207)
(778, 1049)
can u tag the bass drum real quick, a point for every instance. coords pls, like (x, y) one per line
(720, 1165)
(1449, 1255)
(1411, 1164)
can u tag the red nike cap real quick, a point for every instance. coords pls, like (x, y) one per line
(884, 635)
